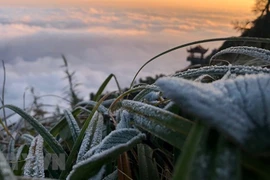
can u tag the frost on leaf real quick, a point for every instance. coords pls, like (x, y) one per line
(255, 52)
(34, 165)
(125, 119)
(93, 135)
(238, 107)
(111, 147)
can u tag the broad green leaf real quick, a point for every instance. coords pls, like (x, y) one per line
(158, 115)
(34, 165)
(238, 108)
(109, 149)
(50, 140)
(147, 165)
(5, 171)
(72, 123)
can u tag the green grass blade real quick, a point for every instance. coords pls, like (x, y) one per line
(50, 140)
(184, 163)
(103, 86)
(20, 160)
(63, 123)
(11, 151)
(147, 166)
(250, 39)
(158, 115)
(72, 123)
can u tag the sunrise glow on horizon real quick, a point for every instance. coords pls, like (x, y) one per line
(211, 5)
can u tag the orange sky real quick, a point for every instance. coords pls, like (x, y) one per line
(213, 5)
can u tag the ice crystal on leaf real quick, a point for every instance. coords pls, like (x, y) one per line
(239, 108)
(34, 165)
(93, 135)
(255, 52)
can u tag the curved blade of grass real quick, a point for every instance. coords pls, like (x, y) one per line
(110, 148)
(144, 92)
(63, 123)
(252, 39)
(20, 160)
(72, 123)
(158, 115)
(184, 163)
(40, 129)
(254, 52)
(77, 144)
(92, 104)
(221, 71)
(103, 86)
(5, 171)
(28, 138)
(147, 166)
(11, 151)
(114, 106)
(5, 128)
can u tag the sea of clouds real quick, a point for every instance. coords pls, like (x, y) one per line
(96, 42)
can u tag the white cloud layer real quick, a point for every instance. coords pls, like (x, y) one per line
(96, 42)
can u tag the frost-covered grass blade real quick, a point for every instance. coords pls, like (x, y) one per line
(158, 115)
(73, 126)
(50, 140)
(254, 52)
(34, 165)
(110, 148)
(93, 135)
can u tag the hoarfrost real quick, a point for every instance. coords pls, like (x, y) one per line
(255, 52)
(125, 119)
(115, 143)
(72, 123)
(221, 70)
(238, 107)
(93, 135)
(34, 165)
